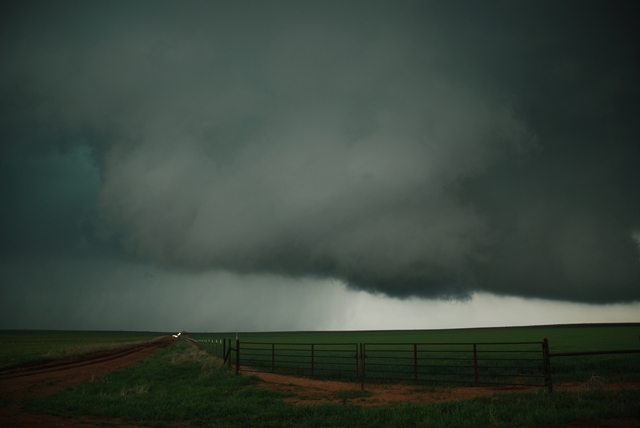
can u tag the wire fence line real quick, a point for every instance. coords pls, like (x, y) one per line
(482, 363)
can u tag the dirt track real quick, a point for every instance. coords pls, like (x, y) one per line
(314, 392)
(306, 391)
(44, 379)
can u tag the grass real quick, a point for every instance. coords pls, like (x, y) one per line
(19, 347)
(351, 394)
(561, 339)
(181, 385)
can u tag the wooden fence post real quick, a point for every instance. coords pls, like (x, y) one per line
(273, 357)
(229, 355)
(311, 359)
(547, 365)
(224, 350)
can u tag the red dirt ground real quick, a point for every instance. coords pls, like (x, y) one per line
(44, 379)
(310, 391)
(18, 384)
(305, 391)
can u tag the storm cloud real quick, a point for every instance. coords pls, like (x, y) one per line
(431, 150)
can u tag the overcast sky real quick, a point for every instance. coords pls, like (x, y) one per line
(318, 165)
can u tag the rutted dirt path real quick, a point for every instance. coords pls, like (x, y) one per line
(44, 379)
(305, 391)
(311, 391)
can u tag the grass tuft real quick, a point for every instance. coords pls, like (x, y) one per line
(350, 394)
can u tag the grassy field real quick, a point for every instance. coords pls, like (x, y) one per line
(561, 338)
(581, 338)
(27, 346)
(182, 386)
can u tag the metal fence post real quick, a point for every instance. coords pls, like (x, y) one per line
(224, 350)
(229, 355)
(362, 366)
(475, 363)
(237, 355)
(547, 365)
(415, 361)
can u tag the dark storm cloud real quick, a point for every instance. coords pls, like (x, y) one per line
(126, 295)
(430, 150)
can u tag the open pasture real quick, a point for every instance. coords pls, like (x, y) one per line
(335, 354)
(25, 346)
(562, 338)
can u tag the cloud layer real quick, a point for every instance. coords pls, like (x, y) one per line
(301, 144)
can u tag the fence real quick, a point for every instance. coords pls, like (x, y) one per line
(514, 363)
(335, 360)
(592, 353)
(504, 363)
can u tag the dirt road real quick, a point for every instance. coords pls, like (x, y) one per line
(44, 379)
(304, 391)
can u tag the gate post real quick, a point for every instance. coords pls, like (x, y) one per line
(237, 355)
(362, 366)
(547, 365)
(311, 359)
(475, 363)
(415, 361)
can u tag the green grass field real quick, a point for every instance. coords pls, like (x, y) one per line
(28, 346)
(561, 338)
(581, 338)
(181, 386)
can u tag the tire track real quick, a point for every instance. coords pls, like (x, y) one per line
(17, 384)
(78, 361)
(43, 379)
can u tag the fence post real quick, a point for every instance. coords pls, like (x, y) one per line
(415, 361)
(229, 355)
(311, 359)
(547, 365)
(273, 357)
(237, 355)
(362, 366)
(224, 350)
(475, 363)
